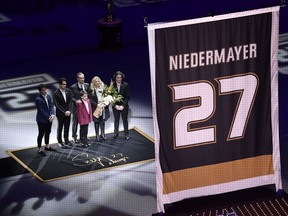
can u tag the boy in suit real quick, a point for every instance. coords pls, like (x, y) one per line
(84, 114)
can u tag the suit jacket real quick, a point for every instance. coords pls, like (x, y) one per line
(44, 111)
(94, 102)
(75, 92)
(83, 117)
(125, 92)
(61, 105)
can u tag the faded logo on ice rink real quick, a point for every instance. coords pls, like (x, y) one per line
(17, 96)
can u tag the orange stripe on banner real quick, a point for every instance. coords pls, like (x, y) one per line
(217, 173)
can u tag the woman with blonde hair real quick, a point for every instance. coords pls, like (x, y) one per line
(96, 97)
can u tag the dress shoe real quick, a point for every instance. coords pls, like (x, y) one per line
(82, 145)
(127, 137)
(84, 142)
(42, 153)
(50, 149)
(115, 136)
(61, 145)
(75, 140)
(68, 143)
(97, 138)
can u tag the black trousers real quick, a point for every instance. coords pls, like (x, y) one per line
(63, 122)
(99, 123)
(124, 115)
(44, 130)
(74, 122)
(83, 133)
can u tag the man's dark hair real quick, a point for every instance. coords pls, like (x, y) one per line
(82, 93)
(61, 80)
(119, 73)
(41, 86)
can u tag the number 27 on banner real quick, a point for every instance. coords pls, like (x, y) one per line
(204, 91)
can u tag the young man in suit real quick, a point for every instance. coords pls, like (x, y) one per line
(122, 107)
(75, 89)
(44, 118)
(63, 102)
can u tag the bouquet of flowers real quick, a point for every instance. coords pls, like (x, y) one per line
(110, 96)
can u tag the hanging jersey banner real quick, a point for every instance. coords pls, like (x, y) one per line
(214, 87)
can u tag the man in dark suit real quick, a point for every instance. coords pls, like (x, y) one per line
(76, 98)
(63, 102)
(44, 118)
(122, 107)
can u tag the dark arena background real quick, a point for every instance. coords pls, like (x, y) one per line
(43, 40)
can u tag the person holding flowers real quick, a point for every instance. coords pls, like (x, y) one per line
(100, 107)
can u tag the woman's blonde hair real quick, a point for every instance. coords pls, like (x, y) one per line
(93, 81)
